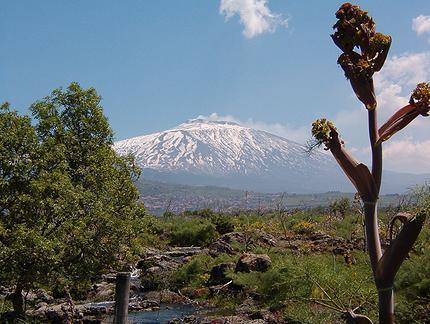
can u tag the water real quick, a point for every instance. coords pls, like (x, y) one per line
(166, 313)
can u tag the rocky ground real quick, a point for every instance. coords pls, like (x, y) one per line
(145, 295)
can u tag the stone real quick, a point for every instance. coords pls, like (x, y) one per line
(102, 291)
(266, 238)
(166, 296)
(219, 247)
(233, 237)
(153, 270)
(253, 262)
(217, 274)
(4, 291)
(140, 304)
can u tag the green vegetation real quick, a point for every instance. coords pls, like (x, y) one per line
(303, 284)
(68, 205)
(192, 232)
(69, 213)
(310, 284)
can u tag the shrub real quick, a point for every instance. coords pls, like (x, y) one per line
(304, 227)
(299, 282)
(196, 232)
(223, 223)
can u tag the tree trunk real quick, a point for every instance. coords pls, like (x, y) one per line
(386, 306)
(17, 300)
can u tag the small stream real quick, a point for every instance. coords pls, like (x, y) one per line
(166, 313)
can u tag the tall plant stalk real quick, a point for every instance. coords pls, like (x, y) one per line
(364, 53)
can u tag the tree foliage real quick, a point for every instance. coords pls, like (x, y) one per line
(68, 205)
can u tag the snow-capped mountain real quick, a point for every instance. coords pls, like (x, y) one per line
(202, 152)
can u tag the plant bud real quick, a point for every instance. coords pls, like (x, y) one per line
(420, 98)
(379, 47)
(322, 130)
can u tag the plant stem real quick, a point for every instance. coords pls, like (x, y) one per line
(386, 295)
(376, 148)
(372, 234)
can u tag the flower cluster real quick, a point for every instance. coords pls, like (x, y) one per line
(420, 98)
(323, 131)
(356, 29)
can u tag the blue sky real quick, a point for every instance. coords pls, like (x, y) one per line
(158, 63)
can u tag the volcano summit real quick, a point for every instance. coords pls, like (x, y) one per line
(220, 153)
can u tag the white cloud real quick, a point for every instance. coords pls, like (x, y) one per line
(291, 132)
(408, 156)
(405, 155)
(255, 16)
(405, 70)
(421, 24)
(394, 85)
(408, 150)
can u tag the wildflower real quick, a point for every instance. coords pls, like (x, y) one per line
(326, 133)
(322, 129)
(378, 50)
(354, 28)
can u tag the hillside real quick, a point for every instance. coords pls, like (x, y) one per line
(159, 197)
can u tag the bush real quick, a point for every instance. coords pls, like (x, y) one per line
(299, 282)
(304, 227)
(196, 232)
(223, 223)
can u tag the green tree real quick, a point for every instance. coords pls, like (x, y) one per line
(68, 207)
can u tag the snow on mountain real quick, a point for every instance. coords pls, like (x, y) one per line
(225, 153)
(202, 152)
(218, 148)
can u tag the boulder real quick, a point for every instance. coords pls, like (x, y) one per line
(218, 276)
(102, 291)
(62, 313)
(166, 296)
(39, 295)
(154, 260)
(140, 304)
(4, 291)
(223, 244)
(266, 238)
(219, 247)
(233, 237)
(253, 262)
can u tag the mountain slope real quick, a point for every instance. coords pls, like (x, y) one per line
(201, 152)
